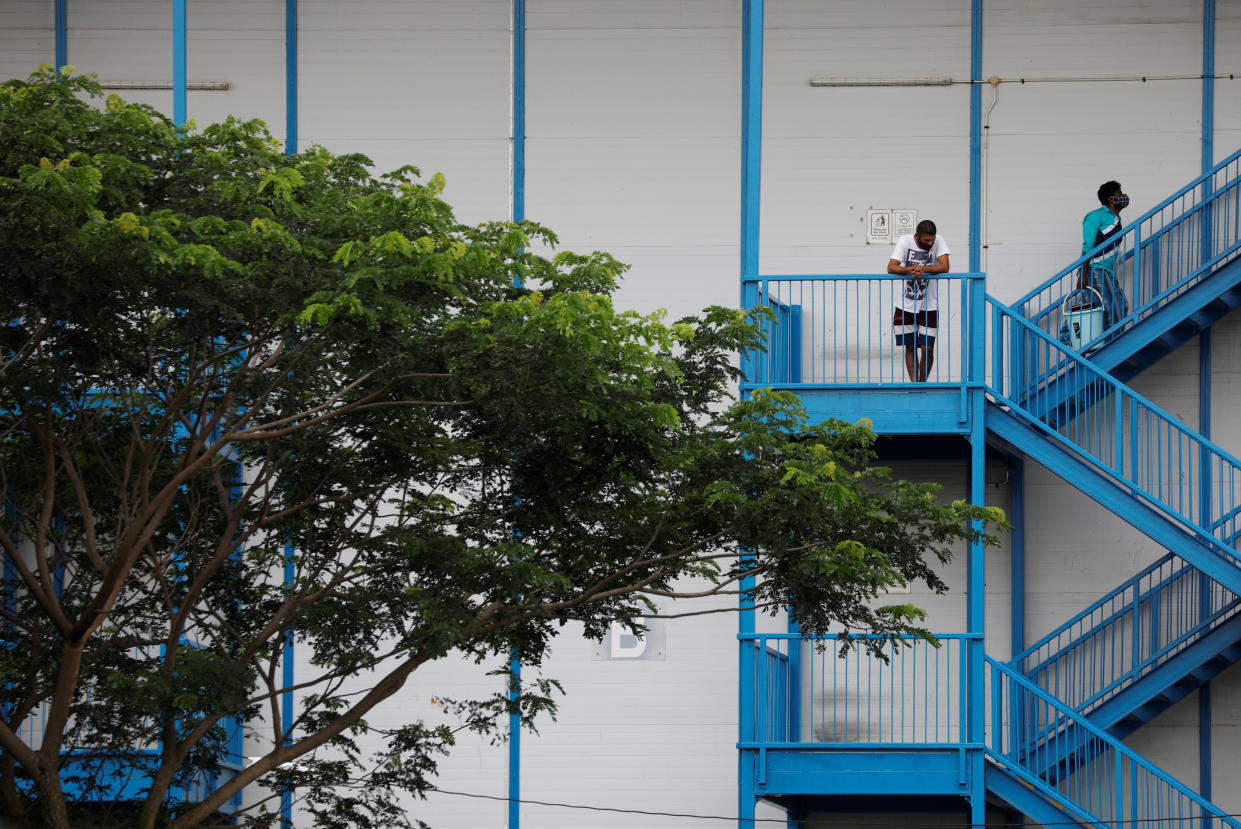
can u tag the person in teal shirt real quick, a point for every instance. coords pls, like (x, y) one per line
(1099, 273)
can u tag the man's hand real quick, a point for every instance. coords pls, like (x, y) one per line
(915, 270)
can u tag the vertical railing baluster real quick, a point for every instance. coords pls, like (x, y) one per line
(761, 695)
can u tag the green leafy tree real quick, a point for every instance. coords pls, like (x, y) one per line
(214, 354)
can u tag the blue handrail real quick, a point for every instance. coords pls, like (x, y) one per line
(832, 330)
(1128, 633)
(914, 696)
(1160, 255)
(1123, 435)
(1071, 761)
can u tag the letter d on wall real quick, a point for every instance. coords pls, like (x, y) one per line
(625, 645)
(620, 643)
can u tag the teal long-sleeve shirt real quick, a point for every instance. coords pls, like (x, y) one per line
(1095, 226)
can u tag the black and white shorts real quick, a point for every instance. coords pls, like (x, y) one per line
(915, 328)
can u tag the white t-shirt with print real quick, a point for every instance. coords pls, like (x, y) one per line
(919, 294)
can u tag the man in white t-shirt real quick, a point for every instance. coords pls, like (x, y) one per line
(915, 320)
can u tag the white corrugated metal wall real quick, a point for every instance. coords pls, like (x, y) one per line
(633, 125)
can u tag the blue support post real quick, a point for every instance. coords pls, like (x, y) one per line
(1017, 515)
(519, 214)
(1204, 742)
(290, 565)
(290, 77)
(1204, 370)
(178, 62)
(975, 136)
(1208, 84)
(751, 178)
(794, 684)
(514, 745)
(746, 714)
(976, 565)
(751, 131)
(62, 34)
(287, 674)
(519, 110)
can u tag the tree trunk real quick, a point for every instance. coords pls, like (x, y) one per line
(13, 806)
(52, 807)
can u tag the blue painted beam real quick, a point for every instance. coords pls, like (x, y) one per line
(287, 676)
(1204, 740)
(1017, 515)
(1208, 84)
(751, 166)
(179, 62)
(977, 564)
(832, 769)
(290, 77)
(290, 566)
(518, 196)
(975, 136)
(1026, 799)
(62, 33)
(519, 110)
(1204, 355)
(514, 746)
(892, 410)
(751, 132)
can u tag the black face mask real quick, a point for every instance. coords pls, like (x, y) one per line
(1122, 201)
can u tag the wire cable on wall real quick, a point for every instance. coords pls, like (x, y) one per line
(1187, 820)
(948, 81)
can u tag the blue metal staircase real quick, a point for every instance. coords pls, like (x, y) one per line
(1194, 237)
(1053, 764)
(1180, 265)
(1140, 648)
(1051, 744)
(1121, 450)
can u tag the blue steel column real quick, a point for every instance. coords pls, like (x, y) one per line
(975, 136)
(290, 563)
(751, 131)
(975, 601)
(519, 110)
(62, 33)
(1204, 368)
(178, 62)
(519, 214)
(290, 76)
(1017, 515)
(751, 167)
(1204, 426)
(976, 565)
(286, 675)
(1208, 84)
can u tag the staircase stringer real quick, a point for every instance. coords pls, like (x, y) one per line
(1114, 496)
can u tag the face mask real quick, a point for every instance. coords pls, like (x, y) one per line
(1121, 201)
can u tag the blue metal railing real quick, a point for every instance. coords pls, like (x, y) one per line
(1128, 633)
(837, 330)
(1122, 434)
(1159, 256)
(914, 696)
(1092, 775)
(232, 760)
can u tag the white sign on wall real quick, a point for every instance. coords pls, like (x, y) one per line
(878, 227)
(620, 643)
(903, 222)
